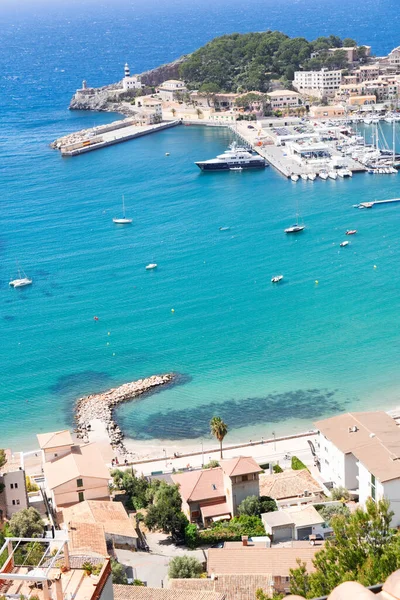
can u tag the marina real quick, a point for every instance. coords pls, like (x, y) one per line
(376, 202)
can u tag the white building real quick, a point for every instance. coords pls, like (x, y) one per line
(393, 57)
(14, 497)
(131, 82)
(294, 523)
(284, 99)
(317, 83)
(169, 90)
(361, 452)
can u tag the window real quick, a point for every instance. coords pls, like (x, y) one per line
(81, 496)
(16, 485)
(373, 488)
(17, 501)
(79, 482)
(12, 486)
(13, 502)
(245, 477)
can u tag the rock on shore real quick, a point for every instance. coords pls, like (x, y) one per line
(101, 406)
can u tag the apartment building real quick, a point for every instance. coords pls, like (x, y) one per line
(321, 83)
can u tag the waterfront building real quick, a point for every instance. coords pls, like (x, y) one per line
(151, 108)
(308, 152)
(14, 496)
(76, 476)
(321, 83)
(284, 99)
(362, 100)
(131, 82)
(291, 487)
(361, 452)
(293, 523)
(55, 444)
(171, 89)
(212, 495)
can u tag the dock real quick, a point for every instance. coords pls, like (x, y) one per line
(375, 202)
(107, 135)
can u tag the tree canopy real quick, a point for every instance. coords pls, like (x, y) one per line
(184, 567)
(364, 549)
(245, 62)
(218, 429)
(165, 511)
(3, 458)
(26, 523)
(253, 506)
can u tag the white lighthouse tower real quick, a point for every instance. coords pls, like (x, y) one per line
(130, 82)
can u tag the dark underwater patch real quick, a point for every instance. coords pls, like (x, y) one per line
(80, 384)
(9, 318)
(273, 408)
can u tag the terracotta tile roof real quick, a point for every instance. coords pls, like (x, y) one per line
(215, 510)
(133, 592)
(232, 587)
(54, 439)
(375, 442)
(288, 484)
(112, 516)
(200, 485)
(84, 461)
(86, 537)
(242, 465)
(250, 560)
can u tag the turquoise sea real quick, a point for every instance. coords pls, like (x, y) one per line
(264, 357)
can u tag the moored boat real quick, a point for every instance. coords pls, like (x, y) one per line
(235, 159)
(343, 244)
(295, 228)
(351, 231)
(277, 279)
(151, 266)
(294, 177)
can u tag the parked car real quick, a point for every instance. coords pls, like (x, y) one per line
(318, 537)
(250, 126)
(218, 545)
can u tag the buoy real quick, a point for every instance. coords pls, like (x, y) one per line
(316, 281)
(108, 333)
(375, 267)
(113, 353)
(108, 343)
(172, 310)
(96, 318)
(167, 154)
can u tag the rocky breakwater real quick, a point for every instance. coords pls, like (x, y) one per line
(101, 406)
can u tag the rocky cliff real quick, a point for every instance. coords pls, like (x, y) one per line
(162, 73)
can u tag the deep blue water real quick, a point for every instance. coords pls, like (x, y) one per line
(263, 357)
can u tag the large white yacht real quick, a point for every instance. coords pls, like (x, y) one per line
(233, 158)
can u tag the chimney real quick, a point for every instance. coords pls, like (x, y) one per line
(245, 539)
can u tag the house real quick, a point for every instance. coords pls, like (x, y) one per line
(231, 587)
(210, 495)
(59, 577)
(284, 99)
(77, 476)
(111, 516)
(55, 444)
(317, 83)
(14, 496)
(326, 112)
(293, 523)
(86, 537)
(132, 592)
(290, 487)
(171, 89)
(361, 452)
(250, 560)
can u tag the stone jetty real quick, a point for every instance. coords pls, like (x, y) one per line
(101, 406)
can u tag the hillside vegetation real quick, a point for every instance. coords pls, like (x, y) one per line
(242, 62)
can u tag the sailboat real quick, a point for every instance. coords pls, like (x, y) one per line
(297, 227)
(22, 280)
(122, 220)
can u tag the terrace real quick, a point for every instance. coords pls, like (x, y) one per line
(44, 569)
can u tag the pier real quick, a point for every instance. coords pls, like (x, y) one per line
(374, 202)
(107, 135)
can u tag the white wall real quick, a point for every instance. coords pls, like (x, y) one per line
(51, 453)
(389, 490)
(332, 462)
(68, 493)
(15, 494)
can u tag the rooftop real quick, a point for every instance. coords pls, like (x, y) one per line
(87, 537)
(83, 461)
(250, 560)
(372, 437)
(112, 516)
(231, 587)
(200, 485)
(277, 93)
(242, 465)
(288, 484)
(278, 518)
(132, 592)
(55, 439)
(304, 516)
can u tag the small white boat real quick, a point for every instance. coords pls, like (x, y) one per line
(151, 266)
(295, 228)
(344, 173)
(22, 280)
(343, 244)
(312, 176)
(294, 177)
(224, 228)
(323, 175)
(277, 279)
(332, 174)
(304, 176)
(122, 220)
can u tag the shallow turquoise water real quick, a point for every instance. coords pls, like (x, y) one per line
(255, 353)
(264, 357)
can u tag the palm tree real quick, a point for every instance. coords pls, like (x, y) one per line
(219, 429)
(173, 110)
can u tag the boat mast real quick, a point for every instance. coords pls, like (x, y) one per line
(123, 206)
(394, 142)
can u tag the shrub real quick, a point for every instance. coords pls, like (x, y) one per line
(211, 465)
(184, 567)
(297, 464)
(267, 504)
(138, 582)
(118, 572)
(277, 469)
(191, 535)
(329, 511)
(88, 567)
(31, 486)
(250, 506)
(233, 530)
(340, 493)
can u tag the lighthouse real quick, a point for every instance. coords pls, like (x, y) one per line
(130, 82)
(127, 71)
